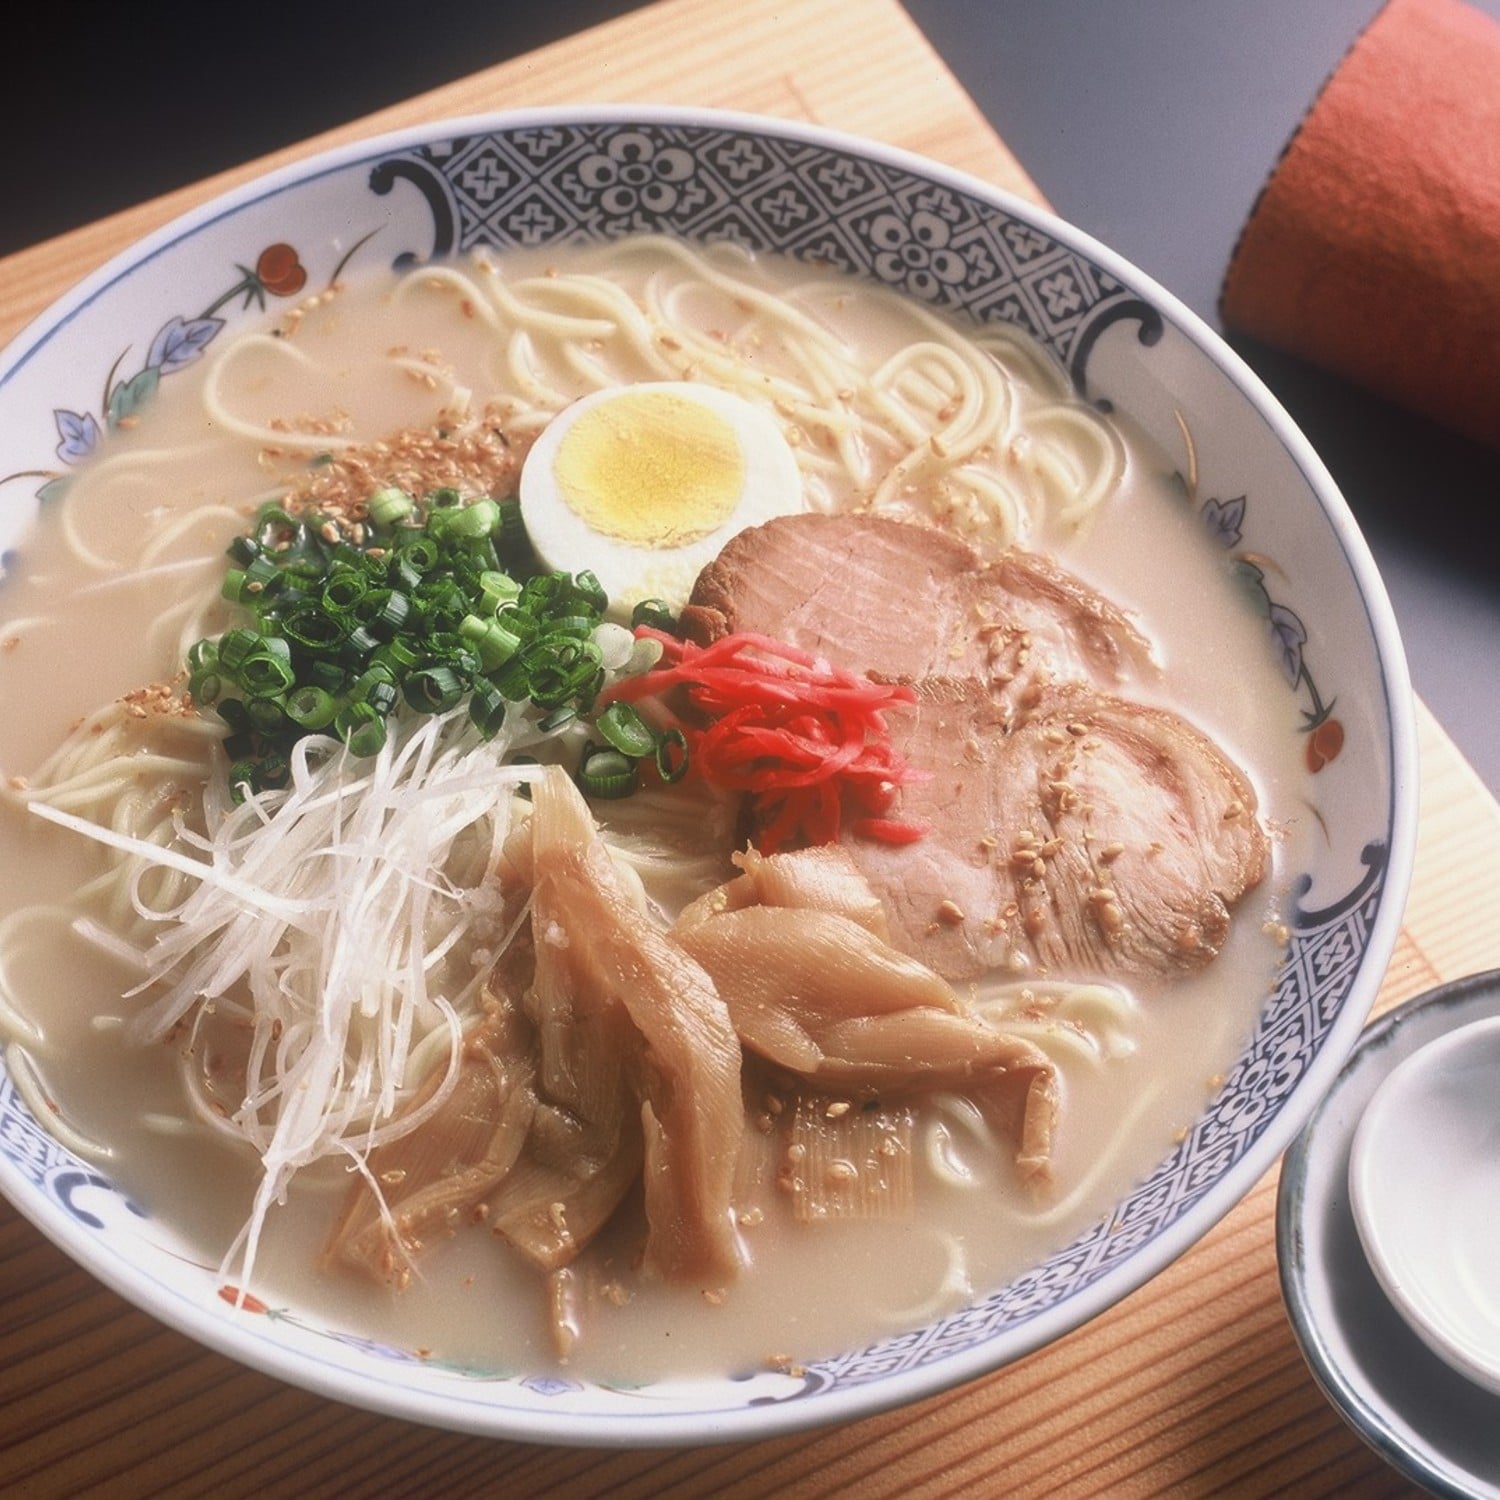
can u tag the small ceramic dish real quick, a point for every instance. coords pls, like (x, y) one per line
(1424, 1186)
(1413, 1408)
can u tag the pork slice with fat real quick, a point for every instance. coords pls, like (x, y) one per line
(1099, 837)
(904, 601)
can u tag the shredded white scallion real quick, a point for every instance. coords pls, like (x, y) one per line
(328, 917)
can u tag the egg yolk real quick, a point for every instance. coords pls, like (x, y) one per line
(651, 469)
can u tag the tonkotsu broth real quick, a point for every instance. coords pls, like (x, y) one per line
(75, 636)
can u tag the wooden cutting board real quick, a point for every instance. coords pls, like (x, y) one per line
(1191, 1385)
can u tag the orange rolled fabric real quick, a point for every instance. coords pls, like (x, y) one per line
(1374, 249)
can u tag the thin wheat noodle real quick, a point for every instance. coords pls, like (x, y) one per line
(262, 433)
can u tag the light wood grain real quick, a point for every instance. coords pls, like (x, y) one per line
(1191, 1386)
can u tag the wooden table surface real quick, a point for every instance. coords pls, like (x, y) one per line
(1192, 1385)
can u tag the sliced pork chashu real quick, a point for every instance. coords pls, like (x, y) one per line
(904, 601)
(1069, 829)
(1099, 837)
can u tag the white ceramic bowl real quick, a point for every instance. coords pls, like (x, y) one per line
(553, 175)
(1424, 1188)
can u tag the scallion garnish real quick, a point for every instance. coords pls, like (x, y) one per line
(653, 613)
(606, 773)
(434, 602)
(627, 731)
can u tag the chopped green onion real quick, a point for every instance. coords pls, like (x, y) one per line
(511, 536)
(559, 718)
(203, 656)
(262, 574)
(652, 612)
(433, 690)
(377, 687)
(383, 611)
(264, 715)
(437, 602)
(313, 629)
(267, 670)
(235, 646)
(421, 554)
(560, 668)
(487, 709)
(361, 643)
(311, 707)
(671, 755)
(606, 773)
(242, 779)
(471, 521)
(498, 588)
(395, 656)
(624, 728)
(344, 590)
(362, 728)
(588, 588)
(275, 771)
(389, 507)
(492, 642)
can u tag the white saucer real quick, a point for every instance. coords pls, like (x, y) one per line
(1424, 1187)
(1425, 1419)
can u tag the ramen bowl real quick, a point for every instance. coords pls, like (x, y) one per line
(949, 242)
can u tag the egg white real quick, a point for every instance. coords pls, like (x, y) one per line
(770, 485)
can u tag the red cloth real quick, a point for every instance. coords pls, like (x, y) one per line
(1374, 248)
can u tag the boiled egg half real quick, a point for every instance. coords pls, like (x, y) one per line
(643, 485)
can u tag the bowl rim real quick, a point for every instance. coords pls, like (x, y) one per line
(657, 1428)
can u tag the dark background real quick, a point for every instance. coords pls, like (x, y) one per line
(1149, 123)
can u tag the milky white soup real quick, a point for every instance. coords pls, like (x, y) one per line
(123, 574)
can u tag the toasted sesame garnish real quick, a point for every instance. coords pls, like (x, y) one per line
(471, 454)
